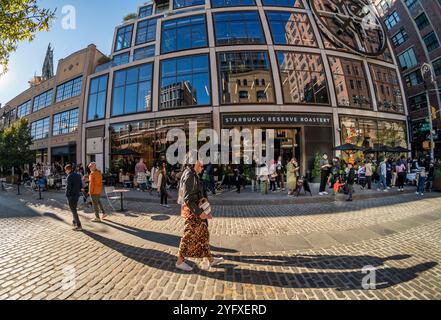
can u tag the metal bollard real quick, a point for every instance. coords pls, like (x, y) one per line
(39, 192)
(18, 189)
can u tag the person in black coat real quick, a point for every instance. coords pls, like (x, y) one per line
(350, 181)
(73, 189)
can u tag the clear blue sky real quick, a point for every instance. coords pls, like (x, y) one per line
(95, 23)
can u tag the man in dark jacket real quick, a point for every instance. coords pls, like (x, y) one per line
(350, 181)
(73, 190)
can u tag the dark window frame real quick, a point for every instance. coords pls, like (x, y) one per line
(210, 103)
(97, 93)
(132, 26)
(112, 115)
(263, 38)
(220, 79)
(176, 28)
(281, 84)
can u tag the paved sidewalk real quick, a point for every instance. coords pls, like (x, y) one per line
(288, 251)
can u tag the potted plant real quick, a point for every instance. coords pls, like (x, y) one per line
(316, 171)
(436, 186)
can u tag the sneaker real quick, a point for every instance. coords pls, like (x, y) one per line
(216, 261)
(95, 220)
(417, 193)
(166, 206)
(348, 200)
(77, 228)
(421, 194)
(325, 193)
(104, 216)
(184, 266)
(388, 188)
(320, 193)
(378, 189)
(385, 190)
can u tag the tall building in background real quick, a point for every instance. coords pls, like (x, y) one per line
(53, 105)
(414, 26)
(319, 72)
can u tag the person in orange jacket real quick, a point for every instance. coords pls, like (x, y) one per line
(95, 190)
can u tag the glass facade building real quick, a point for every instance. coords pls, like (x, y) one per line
(226, 63)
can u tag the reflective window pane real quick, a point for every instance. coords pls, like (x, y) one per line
(387, 89)
(96, 108)
(177, 4)
(291, 28)
(350, 83)
(238, 28)
(146, 31)
(65, 122)
(185, 33)
(69, 89)
(185, 82)
(283, 3)
(303, 78)
(132, 90)
(124, 38)
(144, 53)
(231, 3)
(245, 77)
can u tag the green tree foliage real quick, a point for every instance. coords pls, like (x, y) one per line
(20, 20)
(316, 171)
(15, 145)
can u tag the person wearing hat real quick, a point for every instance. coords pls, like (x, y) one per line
(95, 190)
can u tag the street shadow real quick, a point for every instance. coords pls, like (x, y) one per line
(158, 237)
(342, 281)
(317, 261)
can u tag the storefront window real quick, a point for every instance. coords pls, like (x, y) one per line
(387, 89)
(132, 90)
(303, 78)
(245, 77)
(350, 83)
(291, 28)
(147, 139)
(371, 133)
(392, 134)
(185, 82)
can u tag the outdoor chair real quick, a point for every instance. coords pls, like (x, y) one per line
(112, 197)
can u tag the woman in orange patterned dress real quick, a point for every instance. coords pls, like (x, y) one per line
(195, 242)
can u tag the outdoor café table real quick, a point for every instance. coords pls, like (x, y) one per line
(121, 192)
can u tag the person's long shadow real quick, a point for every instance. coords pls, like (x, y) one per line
(158, 237)
(344, 280)
(317, 261)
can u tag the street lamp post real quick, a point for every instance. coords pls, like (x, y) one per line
(427, 68)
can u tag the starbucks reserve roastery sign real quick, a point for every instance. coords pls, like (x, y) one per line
(276, 119)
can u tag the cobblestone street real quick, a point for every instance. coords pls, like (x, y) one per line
(314, 250)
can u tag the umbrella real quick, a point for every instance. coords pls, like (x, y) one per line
(399, 150)
(348, 147)
(125, 152)
(379, 148)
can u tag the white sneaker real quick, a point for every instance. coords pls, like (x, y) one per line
(216, 261)
(421, 194)
(417, 193)
(325, 193)
(385, 190)
(378, 189)
(388, 188)
(320, 193)
(166, 206)
(184, 266)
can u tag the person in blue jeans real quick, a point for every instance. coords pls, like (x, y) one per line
(382, 176)
(421, 166)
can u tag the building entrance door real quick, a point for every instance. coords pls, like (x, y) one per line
(287, 144)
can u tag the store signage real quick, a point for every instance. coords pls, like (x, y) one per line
(277, 119)
(352, 24)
